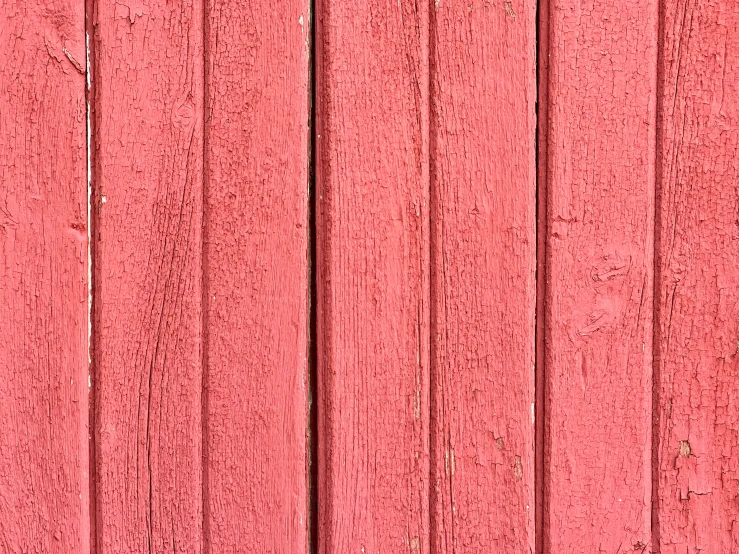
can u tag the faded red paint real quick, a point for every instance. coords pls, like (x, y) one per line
(256, 276)
(147, 321)
(432, 344)
(698, 292)
(602, 78)
(483, 185)
(44, 470)
(373, 276)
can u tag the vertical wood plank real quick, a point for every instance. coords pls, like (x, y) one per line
(148, 74)
(44, 491)
(601, 148)
(256, 275)
(483, 176)
(373, 275)
(698, 286)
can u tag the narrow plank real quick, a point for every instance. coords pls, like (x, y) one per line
(698, 283)
(256, 275)
(373, 276)
(483, 220)
(44, 490)
(148, 96)
(601, 149)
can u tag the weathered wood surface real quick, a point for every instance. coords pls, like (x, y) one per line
(148, 133)
(433, 351)
(44, 490)
(373, 276)
(483, 195)
(601, 153)
(256, 276)
(698, 290)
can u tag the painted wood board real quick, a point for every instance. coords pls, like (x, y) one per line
(256, 276)
(483, 287)
(372, 228)
(44, 444)
(697, 374)
(147, 315)
(602, 79)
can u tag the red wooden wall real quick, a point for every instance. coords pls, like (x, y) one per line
(327, 277)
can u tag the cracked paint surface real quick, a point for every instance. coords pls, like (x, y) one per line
(697, 506)
(483, 244)
(198, 228)
(256, 276)
(601, 153)
(147, 68)
(372, 206)
(44, 473)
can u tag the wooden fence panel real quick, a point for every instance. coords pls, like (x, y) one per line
(44, 492)
(483, 177)
(148, 97)
(601, 151)
(426, 259)
(256, 275)
(373, 274)
(698, 286)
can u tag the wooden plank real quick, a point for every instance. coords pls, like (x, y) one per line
(148, 96)
(483, 221)
(256, 275)
(44, 491)
(698, 287)
(373, 274)
(601, 149)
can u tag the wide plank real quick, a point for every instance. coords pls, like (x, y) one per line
(44, 490)
(372, 228)
(698, 279)
(256, 276)
(483, 284)
(602, 77)
(147, 209)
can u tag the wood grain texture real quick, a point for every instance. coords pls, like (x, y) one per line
(148, 74)
(44, 493)
(483, 176)
(601, 149)
(256, 275)
(698, 287)
(373, 276)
